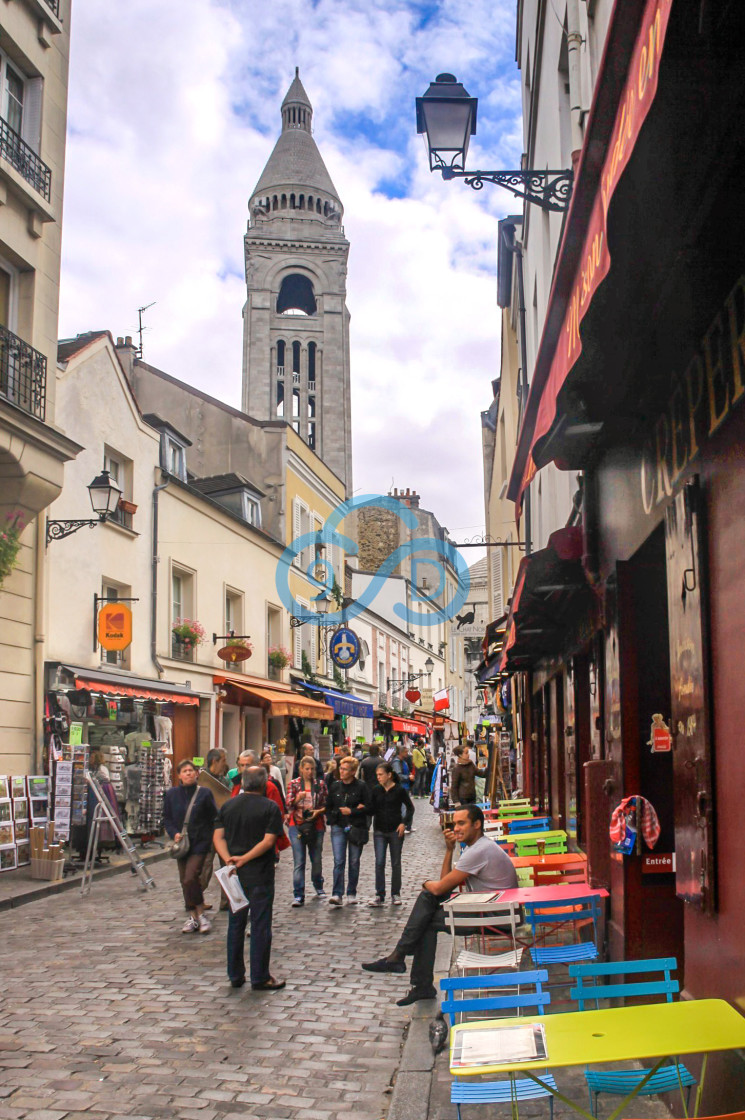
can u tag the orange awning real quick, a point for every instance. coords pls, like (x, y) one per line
(135, 692)
(280, 701)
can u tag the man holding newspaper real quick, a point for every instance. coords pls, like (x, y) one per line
(483, 866)
(246, 831)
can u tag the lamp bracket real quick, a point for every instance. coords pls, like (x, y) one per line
(226, 637)
(57, 530)
(551, 190)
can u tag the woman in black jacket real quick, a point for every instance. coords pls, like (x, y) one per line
(393, 812)
(347, 809)
(200, 827)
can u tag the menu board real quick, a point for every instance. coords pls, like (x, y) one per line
(62, 800)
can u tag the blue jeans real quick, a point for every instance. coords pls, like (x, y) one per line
(420, 782)
(340, 845)
(260, 902)
(299, 849)
(395, 843)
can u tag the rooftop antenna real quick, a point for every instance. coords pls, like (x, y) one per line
(141, 328)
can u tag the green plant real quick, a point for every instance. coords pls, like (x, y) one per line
(279, 657)
(339, 681)
(337, 594)
(243, 643)
(188, 632)
(307, 668)
(10, 543)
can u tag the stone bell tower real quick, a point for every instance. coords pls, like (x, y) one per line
(295, 320)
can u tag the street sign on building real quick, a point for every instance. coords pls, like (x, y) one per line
(115, 626)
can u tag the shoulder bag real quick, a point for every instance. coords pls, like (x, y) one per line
(179, 849)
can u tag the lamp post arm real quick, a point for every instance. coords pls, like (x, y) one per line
(551, 190)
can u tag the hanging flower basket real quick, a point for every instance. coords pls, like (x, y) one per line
(188, 633)
(237, 649)
(10, 543)
(279, 657)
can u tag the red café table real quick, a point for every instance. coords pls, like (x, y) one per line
(557, 892)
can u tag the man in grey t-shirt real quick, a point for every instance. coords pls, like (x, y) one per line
(483, 866)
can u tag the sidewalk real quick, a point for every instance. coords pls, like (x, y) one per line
(17, 887)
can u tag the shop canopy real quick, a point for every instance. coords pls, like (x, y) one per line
(278, 700)
(625, 90)
(138, 689)
(551, 600)
(343, 703)
(408, 726)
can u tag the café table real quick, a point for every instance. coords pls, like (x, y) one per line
(645, 1032)
(558, 860)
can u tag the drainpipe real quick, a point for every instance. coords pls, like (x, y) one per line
(574, 47)
(154, 583)
(39, 639)
(514, 247)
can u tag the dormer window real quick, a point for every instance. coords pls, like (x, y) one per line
(174, 456)
(234, 493)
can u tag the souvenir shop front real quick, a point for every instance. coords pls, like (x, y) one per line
(253, 711)
(137, 730)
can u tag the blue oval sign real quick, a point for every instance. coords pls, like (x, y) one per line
(344, 648)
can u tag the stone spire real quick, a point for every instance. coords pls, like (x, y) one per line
(296, 164)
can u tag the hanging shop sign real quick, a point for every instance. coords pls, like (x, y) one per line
(344, 648)
(115, 626)
(413, 695)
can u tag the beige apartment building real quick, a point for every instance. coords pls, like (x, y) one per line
(34, 52)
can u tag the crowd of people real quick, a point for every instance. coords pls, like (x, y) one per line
(350, 798)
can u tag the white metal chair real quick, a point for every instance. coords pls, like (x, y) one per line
(476, 917)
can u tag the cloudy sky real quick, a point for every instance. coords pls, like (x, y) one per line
(174, 110)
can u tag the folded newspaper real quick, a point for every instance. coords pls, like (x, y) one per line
(231, 888)
(495, 1046)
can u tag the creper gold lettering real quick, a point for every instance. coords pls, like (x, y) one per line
(715, 374)
(649, 55)
(737, 336)
(648, 477)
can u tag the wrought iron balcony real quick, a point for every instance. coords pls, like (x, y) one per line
(23, 374)
(54, 5)
(25, 159)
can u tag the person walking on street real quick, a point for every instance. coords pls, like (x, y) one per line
(273, 771)
(216, 764)
(368, 770)
(189, 807)
(246, 832)
(463, 778)
(419, 759)
(392, 810)
(307, 750)
(306, 803)
(483, 866)
(347, 809)
(402, 765)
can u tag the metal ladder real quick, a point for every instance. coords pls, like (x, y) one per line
(103, 811)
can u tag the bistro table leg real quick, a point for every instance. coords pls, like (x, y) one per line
(617, 1111)
(700, 1087)
(583, 1111)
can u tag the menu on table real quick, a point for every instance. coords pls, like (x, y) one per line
(494, 1046)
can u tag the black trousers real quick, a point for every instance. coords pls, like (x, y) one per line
(260, 904)
(419, 937)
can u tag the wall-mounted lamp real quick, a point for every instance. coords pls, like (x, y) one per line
(104, 494)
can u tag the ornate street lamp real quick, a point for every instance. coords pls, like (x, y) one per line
(104, 494)
(447, 115)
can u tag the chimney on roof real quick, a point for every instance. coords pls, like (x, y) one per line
(127, 352)
(409, 496)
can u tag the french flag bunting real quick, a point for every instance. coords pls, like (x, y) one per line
(441, 700)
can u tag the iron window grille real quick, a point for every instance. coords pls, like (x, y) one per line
(23, 374)
(25, 160)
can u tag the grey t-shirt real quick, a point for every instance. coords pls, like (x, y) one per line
(488, 866)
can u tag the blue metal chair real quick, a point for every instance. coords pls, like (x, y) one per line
(620, 1083)
(556, 914)
(530, 824)
(501, 999)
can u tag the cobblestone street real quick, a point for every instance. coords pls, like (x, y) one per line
(108, 1010)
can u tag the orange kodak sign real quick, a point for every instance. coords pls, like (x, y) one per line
(115, 626)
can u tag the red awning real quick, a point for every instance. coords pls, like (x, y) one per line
(578, 275)
(409, 726)
(135, 692)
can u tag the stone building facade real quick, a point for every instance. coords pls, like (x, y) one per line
(295, 320)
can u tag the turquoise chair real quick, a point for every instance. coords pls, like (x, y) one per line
(501, 1000)
(619, 1083)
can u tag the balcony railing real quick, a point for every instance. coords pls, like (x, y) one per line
(311, 386)
(296, 379)
(25, 160)
(54, 6)
(382, 699)
(280, 371)
(23, 374)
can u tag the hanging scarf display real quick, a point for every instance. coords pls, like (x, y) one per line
(623, 824)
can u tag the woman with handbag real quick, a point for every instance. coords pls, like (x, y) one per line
(393, 812)
(189, 817)
(347, 809)
(306, 803)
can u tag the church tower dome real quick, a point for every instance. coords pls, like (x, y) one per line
(295, 319)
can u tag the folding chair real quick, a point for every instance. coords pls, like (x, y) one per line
(484, 919)
(530, 824)
(620, 1083)
(505, 991)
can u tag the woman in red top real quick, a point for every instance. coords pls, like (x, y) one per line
(306, 800)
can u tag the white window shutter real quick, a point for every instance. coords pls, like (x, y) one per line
(297, 648)
(497, 582)
(296, 529)
(313, 648)
(32, 112)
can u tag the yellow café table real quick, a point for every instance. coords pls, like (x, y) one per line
(656, 1031)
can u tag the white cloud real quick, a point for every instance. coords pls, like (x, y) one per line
(174, 109)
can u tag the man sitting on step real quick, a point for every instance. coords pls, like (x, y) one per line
(483, 866)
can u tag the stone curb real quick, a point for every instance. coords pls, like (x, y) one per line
(45, 889)
(412, 1089)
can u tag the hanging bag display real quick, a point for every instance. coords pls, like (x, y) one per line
(179, 849)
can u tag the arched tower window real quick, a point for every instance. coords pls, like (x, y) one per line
(310, 201)
(318, 206)
(296, 296)
(275, 202)
(280, 409)
(311, 366)
(284, 202)
(301, 202)
(295, 360)
(292, 202)
(281, 356)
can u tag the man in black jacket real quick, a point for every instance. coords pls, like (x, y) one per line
(308, 751)
(347, 810)
(246, 831)
(369, 766)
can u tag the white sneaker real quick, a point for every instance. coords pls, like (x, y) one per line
(204, 924)
(321, 895)
(396, 900)
(335, 900)
(351, 900)
(190, 926)
(376, 902)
